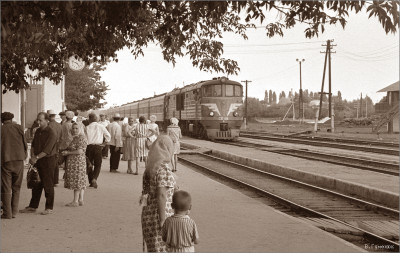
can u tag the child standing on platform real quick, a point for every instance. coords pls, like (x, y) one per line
(179, 231)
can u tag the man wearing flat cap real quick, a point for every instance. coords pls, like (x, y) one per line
(57, 128)
(63, 117)
(13, 153)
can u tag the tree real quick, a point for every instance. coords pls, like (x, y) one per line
(83, 89)
(43, 34)
(266, 97)
(271, 98)
(274, 98)
(339, 94)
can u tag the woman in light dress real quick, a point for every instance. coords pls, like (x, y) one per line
(129, 145)
(75, 171)
(174, 131)
(141, 133)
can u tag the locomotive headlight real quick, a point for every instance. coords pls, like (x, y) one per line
(235, 114)
(212, 114)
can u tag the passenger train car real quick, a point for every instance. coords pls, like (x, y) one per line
(208, 109)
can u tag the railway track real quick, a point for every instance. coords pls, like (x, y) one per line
(329, 139)
(375, 223)
(384, 167)
(289, 139)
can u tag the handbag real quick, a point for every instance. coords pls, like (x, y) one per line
(148, 143)
(32, 177)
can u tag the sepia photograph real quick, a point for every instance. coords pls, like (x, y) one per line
(200, 126)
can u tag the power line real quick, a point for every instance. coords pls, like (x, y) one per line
(270, 45)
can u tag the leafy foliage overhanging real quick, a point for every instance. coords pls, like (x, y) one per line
(43, 34)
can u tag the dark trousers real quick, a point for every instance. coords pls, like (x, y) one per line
(12, 174)
(105, 151)
(56, 170)
(114, 157)
(45, 168)
(94, 154)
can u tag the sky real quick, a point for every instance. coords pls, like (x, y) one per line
(366, 60)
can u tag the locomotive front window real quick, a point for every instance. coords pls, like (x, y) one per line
(229, 90)
(238, 91)
(217, 90)
(212, 90)
(208, 91)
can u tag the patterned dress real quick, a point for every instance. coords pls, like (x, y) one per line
(175, 133)
(75, 172)
(141, 133)
(150, 222)
(129, 144)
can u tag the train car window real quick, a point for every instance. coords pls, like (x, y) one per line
(229, 90)
(217, 90)
(238, 91)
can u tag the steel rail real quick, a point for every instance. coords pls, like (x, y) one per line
(328, 139)
(293, 205)
(323, 144)
(364, 164)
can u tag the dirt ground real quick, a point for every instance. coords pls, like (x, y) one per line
(227, 220)
(359, 132)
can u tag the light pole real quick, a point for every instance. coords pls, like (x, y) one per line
(301, 112)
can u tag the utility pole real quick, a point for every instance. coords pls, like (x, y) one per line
(245, 105)
(328, 53)
(300, 94)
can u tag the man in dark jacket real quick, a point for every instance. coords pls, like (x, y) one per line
(43, 153)
(53, 124)
(13, 154)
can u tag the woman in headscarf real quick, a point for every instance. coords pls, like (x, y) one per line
(129, 144)
(159, 183)
(75, 171)
(141, 133)
(174, 131)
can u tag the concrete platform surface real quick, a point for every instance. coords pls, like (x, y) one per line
(227, 220)
(377, 186)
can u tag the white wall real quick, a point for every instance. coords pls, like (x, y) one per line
(54, 96)
(11, 102)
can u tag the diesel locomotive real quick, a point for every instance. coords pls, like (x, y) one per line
(209, 109)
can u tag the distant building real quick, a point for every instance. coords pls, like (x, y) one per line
(40, 97)
(389, 108)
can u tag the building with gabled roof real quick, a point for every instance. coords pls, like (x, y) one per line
(389, 108)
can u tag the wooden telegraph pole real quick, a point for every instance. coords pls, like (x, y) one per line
(328, 53)
(245, 105)
(301, 111)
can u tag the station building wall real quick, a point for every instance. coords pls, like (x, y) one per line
(41, 96)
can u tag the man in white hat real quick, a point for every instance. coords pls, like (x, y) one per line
(57, 128)
(115, 130)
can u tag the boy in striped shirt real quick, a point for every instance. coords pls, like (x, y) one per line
(179, 231)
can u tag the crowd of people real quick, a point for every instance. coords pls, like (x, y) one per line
(79, 147)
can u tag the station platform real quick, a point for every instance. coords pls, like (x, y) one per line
(227, 220)
(370, 185)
